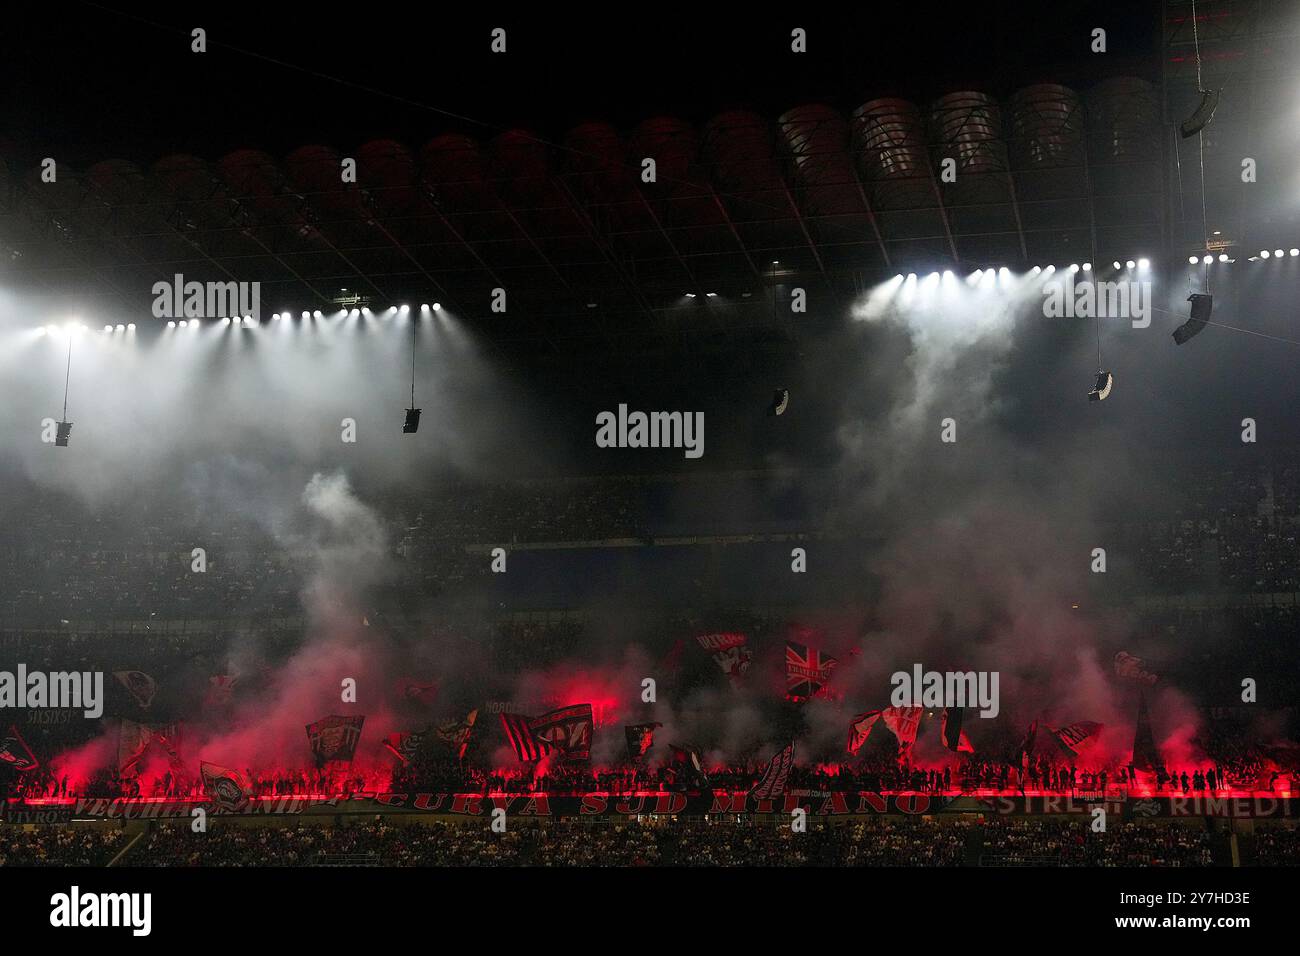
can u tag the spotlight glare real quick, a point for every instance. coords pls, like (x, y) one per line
(1223, 257)
(1192, 259)
(1144, 263)
(1295, 252)
(1277, 253)
(171, 324)
(1264, 253)
(1208, 259)
(130, 327)
(1115, 264)
(1074, 267)
(1087, 267)
(184, 323)
(121, 328)
(306, 316)
(109, 328)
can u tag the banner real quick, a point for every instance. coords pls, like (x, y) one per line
(806, 670)
(334, 738)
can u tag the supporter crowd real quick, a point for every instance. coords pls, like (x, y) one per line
(959, 840)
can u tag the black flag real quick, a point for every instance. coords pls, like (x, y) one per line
(1145, 755)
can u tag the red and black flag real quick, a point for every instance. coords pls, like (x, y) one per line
(227, 788)
(135, 739)
(954, 738)
(1075, 735)
(334, 738)
(776, 775)
(526, 746)
(730, 653)
(140, 686)
(14, 752)
(456, 733)
(640, 738)
(806, 671)
(405, 744)
(567, 730)
(1145, 755)
(860, 729)
(685, 767)
(904, 722)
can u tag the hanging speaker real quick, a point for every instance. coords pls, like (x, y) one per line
(62, 434)
(1204, 113)
(412, 424)
(1202, 305)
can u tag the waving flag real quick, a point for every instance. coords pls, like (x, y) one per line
(526, 746)
(135, 739)
(1145, 755)
(140, 685)
(405, 745)
(860, 729)
(954, 738)
(806, 670)
(227, 788)
(685, 767)
(776, 775)
(730, 653)
(904, 722)
(456, 733)
(334, 738)
(14, 752)
(640, 738)
(1073, 736)
(567, 730)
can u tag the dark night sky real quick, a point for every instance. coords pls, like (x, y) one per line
(89, 83)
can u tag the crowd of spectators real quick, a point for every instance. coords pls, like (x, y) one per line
(923, 841)
(60, 846)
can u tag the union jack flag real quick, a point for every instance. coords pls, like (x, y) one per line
(806, 670)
